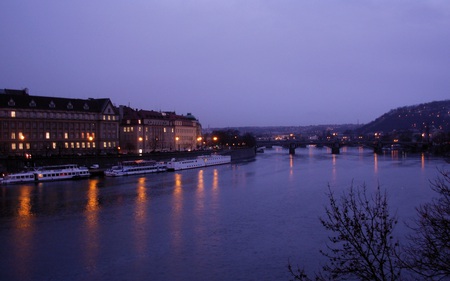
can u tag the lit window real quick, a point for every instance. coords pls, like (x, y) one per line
(88, 145)
(83, 145)
(72, 145)
(20, 146)
(27, 145)
(139, 121)
(78, 145)
(66, 135)
(13, 136)
(104, 144)
(109, 117)
(13, 114)
(47, 135)
(54, 145)
(13, 146)
(66, 145)
(93, 145)
(124, 129)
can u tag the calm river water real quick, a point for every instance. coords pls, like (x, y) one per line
(241, 221)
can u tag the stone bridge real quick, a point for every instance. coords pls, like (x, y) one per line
(335, 145)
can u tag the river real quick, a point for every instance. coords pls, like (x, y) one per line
(240, 221)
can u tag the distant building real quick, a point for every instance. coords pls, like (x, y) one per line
(39, 125)
(144, 131)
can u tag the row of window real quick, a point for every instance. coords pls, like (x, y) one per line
(130, 129)
(67, 145)
(48, 125)
(21, 136)
(57, 115)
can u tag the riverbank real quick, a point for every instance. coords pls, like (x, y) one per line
(15, 164)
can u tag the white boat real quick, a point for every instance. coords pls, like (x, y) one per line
(200, 161)
(21, 177)
(61, 172)
(48, 173)
(137, 167)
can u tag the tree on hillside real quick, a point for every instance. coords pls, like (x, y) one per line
(362, 245)
(428, 251)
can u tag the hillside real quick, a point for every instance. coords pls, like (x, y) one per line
(432, 116)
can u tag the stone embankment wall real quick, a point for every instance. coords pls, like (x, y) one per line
(106, 161)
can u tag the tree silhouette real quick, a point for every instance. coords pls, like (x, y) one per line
(362, 244)
(428, 251)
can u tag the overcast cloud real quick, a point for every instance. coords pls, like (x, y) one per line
(233, 62)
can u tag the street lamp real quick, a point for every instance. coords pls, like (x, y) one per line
(91, 144)
(140, 139)
(177, 143)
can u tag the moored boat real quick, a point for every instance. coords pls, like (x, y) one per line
(61, 172)
(21, 177)
(47, 173)
(137, 167)
(200, 161)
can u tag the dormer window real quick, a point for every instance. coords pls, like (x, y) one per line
(86, 106)
(69, 105)
(51, 104)
(32, 103)
(11, 102)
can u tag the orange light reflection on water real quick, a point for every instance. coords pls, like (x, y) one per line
(91, 231)
(24, 231)
(375, 163)
(291, 165)
(140, 217)
(200, 192)
(334, 172)
(177, 212)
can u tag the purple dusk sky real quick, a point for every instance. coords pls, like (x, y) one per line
(233, 62)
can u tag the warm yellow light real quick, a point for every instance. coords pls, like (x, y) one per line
(214, 138)
(91, 138)
(199, 139)
(177, 138)
(140, 138)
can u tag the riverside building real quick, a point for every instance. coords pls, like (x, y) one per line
(46, 126)
(144, 131)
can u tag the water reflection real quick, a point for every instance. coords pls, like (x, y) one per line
(140, 217)
(92, 225)
(291, 165)
(333, 171)
(375, 163)
(24, 232)
(215, 183)
(177, 213)
(422, 161)
(200, 192)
